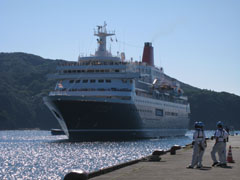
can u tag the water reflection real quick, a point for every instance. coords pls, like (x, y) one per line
(39, 155)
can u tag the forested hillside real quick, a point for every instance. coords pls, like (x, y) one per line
(210, 107)
(23, 83)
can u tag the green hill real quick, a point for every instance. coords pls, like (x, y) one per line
(210, 107)
(23, 83)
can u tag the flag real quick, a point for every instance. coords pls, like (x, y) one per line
(60, 85)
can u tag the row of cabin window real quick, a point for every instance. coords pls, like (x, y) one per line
(91, 81)
(171, 114)
(91, 71)
(160, 97)
(142, 110)
(102, 63)
(92, 63)
(149, 102)
(143, 70)
(159, 112)
(99, 81)
(100, 89)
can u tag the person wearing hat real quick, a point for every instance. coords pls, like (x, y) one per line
(199, 144)
(219, 147)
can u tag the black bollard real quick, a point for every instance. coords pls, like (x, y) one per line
(174, 148)
(76, 175)
(155, 158)
(158, 152)
(156, 155)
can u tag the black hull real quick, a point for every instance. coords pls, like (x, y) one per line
(99, 120)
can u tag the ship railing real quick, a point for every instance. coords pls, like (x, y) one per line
(87, 63)
(162, 97)
(102, 62)
(92, 91)
(103, 31)
(58, 93)
(80, 69)
(127, 75)
(122, 96)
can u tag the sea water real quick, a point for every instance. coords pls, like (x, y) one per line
(39, 155)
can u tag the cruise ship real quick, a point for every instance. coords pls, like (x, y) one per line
(105, 97)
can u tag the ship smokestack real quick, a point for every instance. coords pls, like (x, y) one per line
(148, 54)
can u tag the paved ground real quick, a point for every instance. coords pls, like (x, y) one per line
(174, 167)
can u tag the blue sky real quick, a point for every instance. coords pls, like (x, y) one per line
(196, 41)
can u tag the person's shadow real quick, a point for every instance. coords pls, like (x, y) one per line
(205, 168)
(227, 167)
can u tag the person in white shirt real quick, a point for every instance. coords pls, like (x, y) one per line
(219, 147)
(199, 144)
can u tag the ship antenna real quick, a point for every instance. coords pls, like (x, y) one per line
(102, 33)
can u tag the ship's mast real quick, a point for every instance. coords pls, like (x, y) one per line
(102, 42)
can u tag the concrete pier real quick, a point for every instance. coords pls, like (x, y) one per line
(173, 167)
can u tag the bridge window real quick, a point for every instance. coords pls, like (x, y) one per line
(171, 114)
(90, 70)
(124, 80)
(158, 112)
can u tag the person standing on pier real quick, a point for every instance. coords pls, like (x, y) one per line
(202, 144)
(199, 144)
(219, 147)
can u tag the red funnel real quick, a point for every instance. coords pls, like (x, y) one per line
(148, 54)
